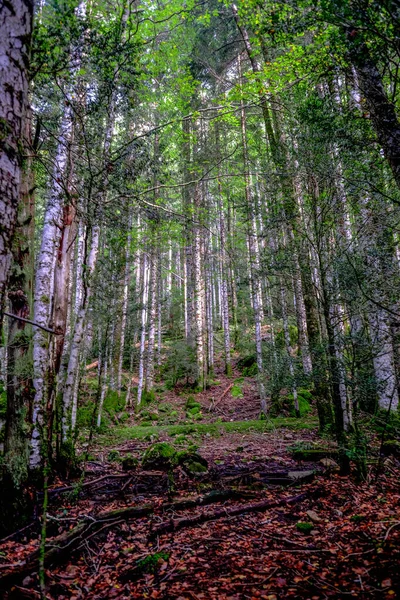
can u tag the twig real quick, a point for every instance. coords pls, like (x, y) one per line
(32, 323)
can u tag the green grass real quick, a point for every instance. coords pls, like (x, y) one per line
(137, 432)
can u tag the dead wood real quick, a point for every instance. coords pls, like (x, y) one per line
(59, 548)
(92, 365)
(221, 513)
(92, 482)
(214, 404)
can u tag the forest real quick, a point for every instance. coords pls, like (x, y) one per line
(199, 299)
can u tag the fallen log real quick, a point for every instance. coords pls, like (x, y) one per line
(92, 365)
(61, 546)
(79, 486)
(176, 524)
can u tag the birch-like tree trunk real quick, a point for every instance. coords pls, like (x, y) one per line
(199, 294)
(78, 333)
(44, 281)
(142, 348)
(153, 298)
(124, 308)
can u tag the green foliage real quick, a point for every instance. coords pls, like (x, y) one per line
(3, 401)
(180, 365)
(249, 363)
(114, 456)
(357, 518)
(152, 562)
(304, 527)
(236, 390)
(141, 432)
(148, 397)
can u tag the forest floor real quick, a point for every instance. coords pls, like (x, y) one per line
(256, 524)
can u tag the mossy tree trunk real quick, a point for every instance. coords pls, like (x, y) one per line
(15, 507)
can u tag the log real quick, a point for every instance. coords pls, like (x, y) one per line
(60, 547)
(92, 365)
(314, 454)
(71, 488)
(176, 524)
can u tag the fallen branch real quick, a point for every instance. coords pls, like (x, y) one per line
(176, 524)
(70, 488)
(61, 546)
(214, 404)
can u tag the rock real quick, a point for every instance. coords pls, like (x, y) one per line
(301, 476)
(329, 463)
(313, 516)
(160, 456)
(192, 462)
(391, 448)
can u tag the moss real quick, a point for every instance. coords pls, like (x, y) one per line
(159, 456)
(195, 410)
(3, 402)
(191, 402)
(114, 456)
(181, 440)
(304, 527)
(236, 391)
(391, 447)
(151, 563)
(141, 432)
(191, 462)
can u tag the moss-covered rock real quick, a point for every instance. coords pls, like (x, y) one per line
(160, 456)
(391, 448)
(192, 462)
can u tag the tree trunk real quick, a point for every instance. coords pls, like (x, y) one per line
(19, 378)
(15, 39)
(382, 111)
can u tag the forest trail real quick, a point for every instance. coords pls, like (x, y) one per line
(240, 528)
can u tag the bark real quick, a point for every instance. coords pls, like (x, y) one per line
(382, 112)
(44, 282)
(103, 385)
(199, 295)
(19, 376)
(143, 329)
(221, 513)
(79, 331)
(224, 271)
(289, 349)
(254, 263)
(124, 311)
(16, 27)
(152, 316)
